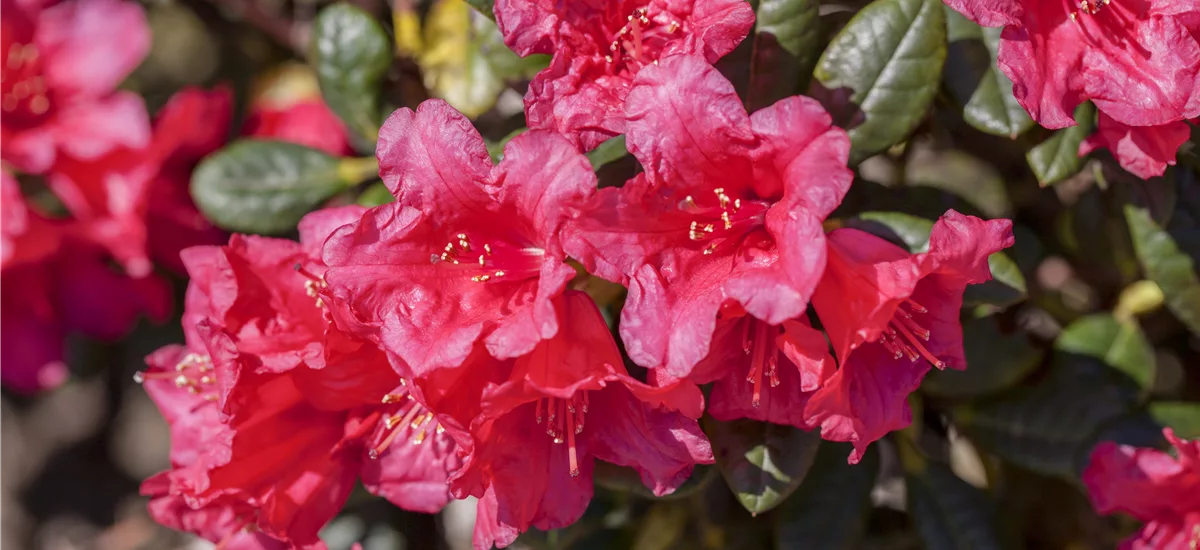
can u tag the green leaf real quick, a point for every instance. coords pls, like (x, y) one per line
(352, 54)
(375, 195)
(948, 512)
(255, 186)
(1006, 288)
(608, 151)
(977, 83)
(1166, 265)
(1057, 158)
(627, 480)
(879, 74)
(829, 510)
(496, 148)
(1118, 344)
(1044, 427)
(762, 462)
(787, 38)
(1181, 416)
(485, 7)
(995, 361)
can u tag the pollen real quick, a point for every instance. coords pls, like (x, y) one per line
(564, 420)
(409, 417)
(906, 337)
(758, 341)
(313, 284)
(194, 373)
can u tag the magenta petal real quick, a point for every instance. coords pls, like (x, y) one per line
(94, 44)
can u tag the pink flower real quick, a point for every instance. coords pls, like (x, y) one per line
(1144, 151)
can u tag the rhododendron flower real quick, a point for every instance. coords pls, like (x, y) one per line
(469, 251)
(1138, 61)
(890, 316)
(1144, 151)
(600, 45)
(53, 284)
(135, 202)
(1152, 486)
(545, 417)
(289, 108)
(59, 68)
(304, 409)
(726, 218)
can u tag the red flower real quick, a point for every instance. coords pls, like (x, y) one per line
(1145, 151)
(548, 415)
(1137, 61)
(290, 108)
(890, 315)
(469, 251)
(135, 201)
(60, 69)
(599, 47)
(727, 218)
(1150, 485)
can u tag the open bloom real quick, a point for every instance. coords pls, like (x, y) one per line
(1152, 486)
(599, 46)
(59, 67)
(1145, 151)
(538, 423)
(1138, 61)
(303, 409)
(891, 316)
(720, 241)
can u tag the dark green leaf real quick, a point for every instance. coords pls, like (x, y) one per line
(376, 195)
(995, 361)
(762, 463)
(1181, 416)
(1057, 158)
(609, 150)
(496, 148)
(879, 74)
(265, 187)
(1043, 427)
(786, 43)
(1166, 265)
(1118, 344)
(627, 480)
(976, 82)
(829, 510)
(949, 513)
(1006, 288)
(486, 7)
(351, 55)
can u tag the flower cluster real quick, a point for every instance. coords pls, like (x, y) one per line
(1152, 486)
(441, 346)
(100, 182)
(1137, 61)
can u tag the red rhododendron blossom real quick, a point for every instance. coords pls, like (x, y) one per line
(548, 415)
(52, 284)
(600, 45)
(135, 202)
(306, 409)
(1137, 60)
(1152, 486)
(469, 251)
(59, 68)
(1144, 151)
(726, 218)
(290, 108)
(890, 316)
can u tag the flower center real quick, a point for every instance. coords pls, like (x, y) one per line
(313, 285)
(485, 260)
(401, 414)
(639, 41)
(194, 372)
(564, 420)
(716, 224)
(905, 337)
(1087, 7)
(758, 341)
(23, 90)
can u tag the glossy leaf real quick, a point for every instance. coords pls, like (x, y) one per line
(1057, 158)
(256, 186)
(995, 361)
(786, 38)
(977, 83)
(879, 74)
(484, 7)
(352, 54)
(762, 462)
(829, 510)
(949, 513)
(1166, 265)
(1118, 344)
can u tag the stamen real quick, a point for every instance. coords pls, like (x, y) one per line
(764, 360)
(566, 420)
(571, 453)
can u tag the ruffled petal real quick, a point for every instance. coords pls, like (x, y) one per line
(1144, 151)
